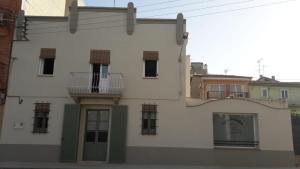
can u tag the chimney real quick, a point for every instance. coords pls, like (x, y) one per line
(273, 77)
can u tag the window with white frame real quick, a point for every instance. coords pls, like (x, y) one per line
(150, 63)
(216, 88)
(235, 88)
(284, 93)
(216, 91)
(46, 66)
(47, 58)
(264, 92)
(235, 130)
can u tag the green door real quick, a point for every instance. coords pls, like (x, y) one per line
(96, 135)
(70, 133)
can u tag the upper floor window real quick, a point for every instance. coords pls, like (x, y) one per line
(150, 63)
(149, 114)
(264, 92)
(41, 117)
(284, 93)
(216, 88)
(47, 58)
(235, 88)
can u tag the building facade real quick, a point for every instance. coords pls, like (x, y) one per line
(9, 9)
(271, 89)
(211, 86)
(117, 92)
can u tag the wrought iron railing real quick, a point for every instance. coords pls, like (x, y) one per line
(223, 94)
(95, 83)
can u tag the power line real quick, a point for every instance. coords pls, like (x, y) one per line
(122, 20)
(145, 11)
(194, 16)
(240, 9)
(151, 4)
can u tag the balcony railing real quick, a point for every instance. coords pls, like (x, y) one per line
(86, 83)
(222, 95)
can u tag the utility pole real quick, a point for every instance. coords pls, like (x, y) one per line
(114, 3)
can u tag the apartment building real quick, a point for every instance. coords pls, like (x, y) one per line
(118, 92)
(209, 86)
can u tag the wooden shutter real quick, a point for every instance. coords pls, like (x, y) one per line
(42, 107)
(150, 55)
(48, 53)
(69, 144)
(100, 57)
(149, 108)
(118, 134)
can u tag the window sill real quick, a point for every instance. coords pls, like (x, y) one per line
(150, 77)
(42, 75)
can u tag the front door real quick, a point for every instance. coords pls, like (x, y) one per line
(96, 135)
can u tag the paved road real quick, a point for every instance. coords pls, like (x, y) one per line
(8, 165)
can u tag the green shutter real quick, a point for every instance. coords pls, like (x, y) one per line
(70, 133)
(117, 153)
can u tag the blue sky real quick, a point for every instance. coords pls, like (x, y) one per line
(235, 40)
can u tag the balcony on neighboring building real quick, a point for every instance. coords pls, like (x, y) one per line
(96, 85)
(223, 94)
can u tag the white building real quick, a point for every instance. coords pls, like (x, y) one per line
(116, 92)
(48, 7)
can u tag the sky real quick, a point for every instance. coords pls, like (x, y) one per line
(235, 40)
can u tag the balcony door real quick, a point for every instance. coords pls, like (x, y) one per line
(100, 78)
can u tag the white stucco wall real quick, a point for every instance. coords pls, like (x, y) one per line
(178, 125)
(73, 55)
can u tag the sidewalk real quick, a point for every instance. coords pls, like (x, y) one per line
(28, 165)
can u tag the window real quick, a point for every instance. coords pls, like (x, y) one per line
(284, 93)
(149, 113)
(47, 66)
(235, 88)
(235, 130)
(216, 88)
(41, 118)
(47, 58)
(150, 68)
(216, 91)
(150, 63)
(264, 92)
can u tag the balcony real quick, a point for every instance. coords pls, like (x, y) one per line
(86, 84)
(222, 95)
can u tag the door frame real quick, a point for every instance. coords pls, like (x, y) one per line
(100, 75)
(82, 130)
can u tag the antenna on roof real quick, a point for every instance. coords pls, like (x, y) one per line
(259, 69)
(226, 71)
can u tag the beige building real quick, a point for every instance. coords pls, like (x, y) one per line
(117, 92)
(48, 7)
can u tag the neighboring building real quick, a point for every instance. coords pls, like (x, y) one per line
(271, 89)
(117, 92)
(48, 7)
(9, 9)
(219, 86)
(198, 68)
